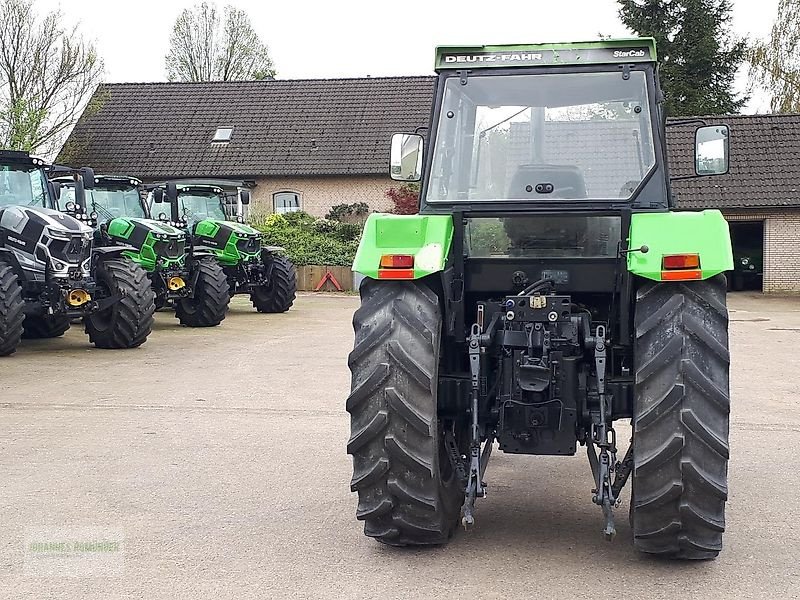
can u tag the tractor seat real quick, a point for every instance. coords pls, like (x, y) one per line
(533, 182)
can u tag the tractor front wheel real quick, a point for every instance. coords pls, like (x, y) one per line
(11, 310)
(209, 303)
(127, 322)
(408, 491)
(278, 295)
(680, 419)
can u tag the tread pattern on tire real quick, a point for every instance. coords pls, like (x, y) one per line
(403, 496)
(12, 310)
(131, 318)
(282, 291)
(43, 327)
(680, 422)
(209, 304)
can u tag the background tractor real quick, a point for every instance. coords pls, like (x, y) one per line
(214, 216)
(196, 286)
(50, 272)
(546, 289)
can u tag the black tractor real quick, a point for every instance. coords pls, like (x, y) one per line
(50, 272)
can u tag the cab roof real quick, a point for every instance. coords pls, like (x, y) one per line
(618, 51)
(20, 158)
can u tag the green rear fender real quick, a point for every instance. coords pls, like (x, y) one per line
(705, 233)
(427, 237)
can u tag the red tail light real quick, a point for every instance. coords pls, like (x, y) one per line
(397, 261)
(680, 261)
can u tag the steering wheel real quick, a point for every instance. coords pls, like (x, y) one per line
(567, 192)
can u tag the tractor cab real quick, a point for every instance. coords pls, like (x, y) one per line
(198, 200)
(22, 180)
(111, 197)
(39, 241)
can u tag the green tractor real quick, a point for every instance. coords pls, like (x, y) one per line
(196, 286)
(50, 271)
(214, 216)
(546, 289)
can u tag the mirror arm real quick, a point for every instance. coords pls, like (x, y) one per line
(685, 177)
(686, 122)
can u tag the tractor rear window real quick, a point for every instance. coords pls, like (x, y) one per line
(542, 137)
(543, 236)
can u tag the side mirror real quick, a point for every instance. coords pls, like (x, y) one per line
(158, 195)
(405, 159)
(87, 174)
(55, 188)
(244, 195)
(172, 191)
(711, 150)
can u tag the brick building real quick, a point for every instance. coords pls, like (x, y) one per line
(311, 144)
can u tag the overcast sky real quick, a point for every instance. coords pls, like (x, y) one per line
(354, 38)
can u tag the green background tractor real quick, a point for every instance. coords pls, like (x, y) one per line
(547, 289)
(214, 217)
(196, 286)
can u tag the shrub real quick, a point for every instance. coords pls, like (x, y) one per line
(405, 199)
(311, 241)
(298, 218)
(349, 231)
(348, 213)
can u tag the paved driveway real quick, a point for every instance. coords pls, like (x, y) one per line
(215, 460)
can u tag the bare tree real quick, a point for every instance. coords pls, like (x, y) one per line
(47, 75)
(775, 63)
(201, 48)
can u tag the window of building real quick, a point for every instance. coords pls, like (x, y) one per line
(285, 202)
(223, 134)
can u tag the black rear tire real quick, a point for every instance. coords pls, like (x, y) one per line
(408, 492)
(680, 421)
(211, 297)
(12, 313)
(128, 322)
(43, 327)
(279, 295)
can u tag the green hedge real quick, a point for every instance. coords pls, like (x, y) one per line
(311, 241)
